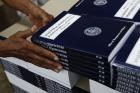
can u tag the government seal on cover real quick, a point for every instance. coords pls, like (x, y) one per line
(92, 31)
(100, 2)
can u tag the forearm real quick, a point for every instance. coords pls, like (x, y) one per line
(26, 6)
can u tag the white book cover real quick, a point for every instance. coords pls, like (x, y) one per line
(96, 87)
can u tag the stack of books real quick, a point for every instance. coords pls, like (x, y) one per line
(126, 66)
(40, 78)
(21, 86)
(85, 44)
(122, 9)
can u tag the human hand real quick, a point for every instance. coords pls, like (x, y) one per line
(18, 46)
(36, 15)
(39, 17)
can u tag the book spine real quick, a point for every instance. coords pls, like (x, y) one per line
(59, 51)
(138, 82)
(54, 87)
(101, 78)
(34, 79)
(37, 80)
(98, 67)
(126, 80)
(12, 68)
(89, 55)
(41, 82)
(93, 65)
(64, 53)
(67, 56)
(64, 50)
(24, 74)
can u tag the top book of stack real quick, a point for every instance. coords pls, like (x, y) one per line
(99, 38)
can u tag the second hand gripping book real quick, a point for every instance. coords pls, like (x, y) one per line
(84, 43)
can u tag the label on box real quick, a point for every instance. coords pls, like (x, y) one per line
(134, 56)
(60, 26)
(129, 9)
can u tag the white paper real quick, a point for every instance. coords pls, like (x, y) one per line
(129, 9)
(134, 57)
(96, 87)
(60, 26)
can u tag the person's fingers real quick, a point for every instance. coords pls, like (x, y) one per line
(40, 61)
(40, 19)
(35, 21)
(43, 52)
(37, 60)
(22, 34)
(34, 29)
(21, 48)
(47, 66)
(46, 18)
(30, 19)
(24, 44)
(44, 62)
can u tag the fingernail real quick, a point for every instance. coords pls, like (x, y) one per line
(56, 58)
(34, 28)
(60, 67)
(57, 71)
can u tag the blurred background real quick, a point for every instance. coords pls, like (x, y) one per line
(9, 17)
